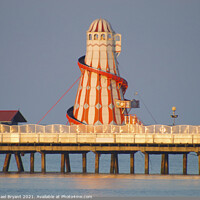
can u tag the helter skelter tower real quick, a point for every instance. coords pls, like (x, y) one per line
(100, 96)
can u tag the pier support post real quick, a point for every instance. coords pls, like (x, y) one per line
(97, 156)
(112, 162)
(62, 167)
(114, 166)
(7, 162)
(165, 164)
(67, 163)
(43, 162)
(132, 163)
(84, 158)
(19, 162)
(185, 163)
(146, 163)
(199, 162)
(32, 163)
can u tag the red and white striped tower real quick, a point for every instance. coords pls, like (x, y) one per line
(100, 83)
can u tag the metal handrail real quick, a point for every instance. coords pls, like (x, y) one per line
(129, 128)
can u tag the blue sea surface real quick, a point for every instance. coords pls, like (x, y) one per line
(104, 184)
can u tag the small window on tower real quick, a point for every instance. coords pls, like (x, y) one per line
(102, 36)
(117, 38)
(109, 37)
(96, 37)
(90, 36)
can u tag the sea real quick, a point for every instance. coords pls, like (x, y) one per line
(76, 185)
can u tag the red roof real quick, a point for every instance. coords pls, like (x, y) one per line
(9, 115)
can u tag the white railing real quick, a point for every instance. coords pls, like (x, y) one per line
(123, 138)
(136, 129)
(130, 134)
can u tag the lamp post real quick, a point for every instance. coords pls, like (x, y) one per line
(174, 116)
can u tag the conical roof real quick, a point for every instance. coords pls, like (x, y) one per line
(100, 25)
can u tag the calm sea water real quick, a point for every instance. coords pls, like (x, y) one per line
(103, 184)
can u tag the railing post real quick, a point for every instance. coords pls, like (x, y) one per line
(58, 137)
(38, 137)
(153, 138)
(192, 138)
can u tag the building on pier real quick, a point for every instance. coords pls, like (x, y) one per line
(11, 117)
(100, 95)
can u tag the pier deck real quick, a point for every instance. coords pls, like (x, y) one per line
(114, 140)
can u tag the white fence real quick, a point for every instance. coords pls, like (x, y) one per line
(123, 138)
(136, 129)
(128, 134)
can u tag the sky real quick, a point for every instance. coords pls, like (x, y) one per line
(41, 41)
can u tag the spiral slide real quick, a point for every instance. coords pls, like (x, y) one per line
(120, 82)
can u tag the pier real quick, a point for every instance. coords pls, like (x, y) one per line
(18, 140)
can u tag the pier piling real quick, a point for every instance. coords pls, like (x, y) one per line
(7, 162)
(84, 158)
(199, 162)
(114, 166)
(43, 162)
(112, 161)
(132, 170)
(165, 163)
(62, 168)
(97, 156)
(67, 163)
(32, 162)
(185, 163)
(146, 163)
(19, 162)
